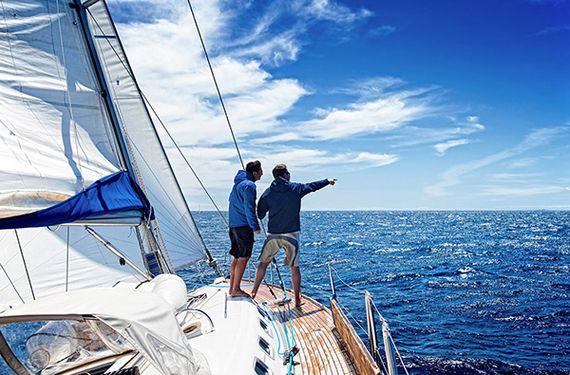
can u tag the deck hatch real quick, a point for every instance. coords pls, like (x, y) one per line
(261, 368)
(265, 327)
(264, 345)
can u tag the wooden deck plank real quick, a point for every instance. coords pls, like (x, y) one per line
(321, 349)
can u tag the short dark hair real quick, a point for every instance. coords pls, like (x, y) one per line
(279, 170)
(253, 166)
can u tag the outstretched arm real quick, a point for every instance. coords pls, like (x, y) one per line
(314, 186)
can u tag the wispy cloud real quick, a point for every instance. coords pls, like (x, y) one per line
(523, 162)
(382, 31)
(215, 165)
(523, 191)
(534, 139)
(515, 176)
(441, 148)
(390, 111)
(330, 10)
(452, 128)
(554, 30)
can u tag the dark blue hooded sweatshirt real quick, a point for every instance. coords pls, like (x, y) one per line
(283, 201)
(242, 202)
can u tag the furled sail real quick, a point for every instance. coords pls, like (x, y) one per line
(146, 152)
(114, 194)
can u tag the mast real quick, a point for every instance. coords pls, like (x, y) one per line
(124, 156)
(114, 118)
(152, 227)
(211, 260)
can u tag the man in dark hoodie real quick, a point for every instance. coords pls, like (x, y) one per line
(243, 223)
(283, 202)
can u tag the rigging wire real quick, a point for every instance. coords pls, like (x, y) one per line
(215, 81)
(25, 265)
(243, 167)
(67, 260)
(129, 72)
(382, 319)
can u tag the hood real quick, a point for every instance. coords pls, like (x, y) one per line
(241, 176)
(280, 184)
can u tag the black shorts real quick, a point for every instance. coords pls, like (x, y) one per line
(242, 242)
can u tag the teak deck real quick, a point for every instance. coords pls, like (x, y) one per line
(321, 348)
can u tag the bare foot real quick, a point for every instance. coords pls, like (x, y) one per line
(240, 293)
(298, 305)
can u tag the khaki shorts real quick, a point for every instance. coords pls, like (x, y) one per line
(286, 241)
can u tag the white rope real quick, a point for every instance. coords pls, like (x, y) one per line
(347, 285)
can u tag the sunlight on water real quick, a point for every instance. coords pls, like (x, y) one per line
(464, 292)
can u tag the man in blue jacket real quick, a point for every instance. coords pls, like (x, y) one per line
(243, 223)
(283, 202)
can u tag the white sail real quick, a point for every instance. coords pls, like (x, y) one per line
(55, 134)
(55, 265)
(154, 172)
(57, 138)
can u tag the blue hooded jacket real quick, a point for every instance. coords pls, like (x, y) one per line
(242, 202)
(283, 201)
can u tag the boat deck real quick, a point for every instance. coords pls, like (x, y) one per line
(321, 348)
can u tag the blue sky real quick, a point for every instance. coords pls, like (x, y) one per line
(410, 105)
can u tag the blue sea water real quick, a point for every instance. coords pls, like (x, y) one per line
(464, 292)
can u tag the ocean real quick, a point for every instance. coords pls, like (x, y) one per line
(463, 292)
(473, 292)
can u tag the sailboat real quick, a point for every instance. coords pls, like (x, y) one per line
(94, 225)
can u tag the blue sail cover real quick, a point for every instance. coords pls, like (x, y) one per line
(110, 195)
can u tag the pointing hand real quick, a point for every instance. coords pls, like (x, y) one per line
(332, 181)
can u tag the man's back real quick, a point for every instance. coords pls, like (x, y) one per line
(283, 201)
(242, 202)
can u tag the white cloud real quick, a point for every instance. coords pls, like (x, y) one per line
(389, 112)
(330, 10)
(217, 166)
(515, 177)
(438, 135)
(382, 30)
(371, 88)
(441, 148)
(553, 30)
(534, 139)
(523, 162)
(522, 191)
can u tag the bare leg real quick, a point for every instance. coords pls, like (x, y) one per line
(259, 275)
(296, 281)
(241, 263)
(232, 275)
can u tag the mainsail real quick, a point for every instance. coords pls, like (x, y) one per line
(60, 133)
